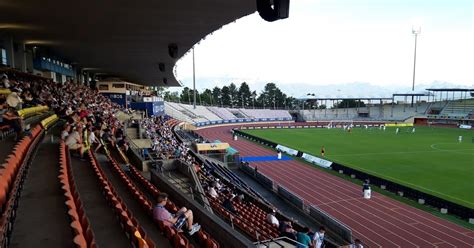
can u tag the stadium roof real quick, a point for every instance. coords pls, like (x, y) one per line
(451, 89)
(411, 94)
(124, 38)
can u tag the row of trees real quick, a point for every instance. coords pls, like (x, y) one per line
(233, 96)
(243, 97)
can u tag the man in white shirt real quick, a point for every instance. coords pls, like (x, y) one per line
(319, 237)
(272, 219)
(213, 192)
(74, 141)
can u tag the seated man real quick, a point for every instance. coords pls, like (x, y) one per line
(74, 141)
(183, 215)
(272, 219)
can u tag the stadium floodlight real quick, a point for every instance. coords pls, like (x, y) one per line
(416, 30)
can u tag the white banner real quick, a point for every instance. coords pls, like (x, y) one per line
(465, 126)
(287, 150)
(319, 161)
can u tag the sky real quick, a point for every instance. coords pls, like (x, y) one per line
(341, 42)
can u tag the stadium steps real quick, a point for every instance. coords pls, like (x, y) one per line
(104, 224)
(146, 222)
(42, 203)
(179, 181)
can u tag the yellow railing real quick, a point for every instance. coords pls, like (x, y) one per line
(49, 120)
(33, 110)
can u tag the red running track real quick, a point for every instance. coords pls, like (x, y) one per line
(378, 222)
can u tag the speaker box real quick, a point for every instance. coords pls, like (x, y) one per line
(161, 66)
(173, 50)
(280, 10)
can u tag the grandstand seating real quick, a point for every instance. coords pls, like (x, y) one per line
(12, 174)
(266, 113)
(459, 107)
(203, 237)
(79, 222)
(186, 112)
(129, 224)
(223, 113)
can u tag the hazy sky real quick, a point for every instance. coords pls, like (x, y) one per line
(343, 41)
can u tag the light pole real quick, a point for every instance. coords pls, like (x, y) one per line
(194, 83)
(416, 32)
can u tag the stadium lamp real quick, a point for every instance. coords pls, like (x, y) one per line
(416, 30)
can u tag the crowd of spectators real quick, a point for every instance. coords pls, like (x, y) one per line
(90, 118)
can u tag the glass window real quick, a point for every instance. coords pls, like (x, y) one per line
(3, 54)
(118, 86)
(103, 87)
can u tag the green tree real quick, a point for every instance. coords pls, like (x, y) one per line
(216, 96)
(225, 96)
(185, 97)
(234, 95)
(244, 98)
(171, 96)
(206, 97)
(350, 103)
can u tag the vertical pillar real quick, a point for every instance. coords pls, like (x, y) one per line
(22, 49)
(10, 52)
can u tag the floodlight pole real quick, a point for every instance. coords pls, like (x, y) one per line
(416, 33)
(194, 83)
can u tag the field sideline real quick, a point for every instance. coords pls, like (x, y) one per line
(430, 160)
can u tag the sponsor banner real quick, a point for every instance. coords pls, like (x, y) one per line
(287, 150)
(211, 146)
(465, 126)
(399, 124)
(315, 160)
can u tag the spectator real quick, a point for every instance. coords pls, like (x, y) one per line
(272, 219)
(227, 204)
(160, 213)
(11, 118)
(65, 132)
(14, 100)
(5, 82)
(74, 141)
(304, 239)
(357, 244)
(286, 230)
(93, 139)
(319, 237)
(213, 192)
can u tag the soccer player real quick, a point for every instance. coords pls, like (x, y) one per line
(323, 151)
(384, 127)
(460, 139)
(413, 130)
(397, 130)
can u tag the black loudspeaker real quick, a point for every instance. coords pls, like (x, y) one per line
(173, 50)
(280, 10)
(161, 66)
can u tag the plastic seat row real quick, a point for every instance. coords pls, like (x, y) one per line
(12, 176)
(129, 224)
(83, 235)
(31, 111)
(203, 238)
(176, 239)
(256, 231)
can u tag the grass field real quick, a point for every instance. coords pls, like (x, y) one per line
(430, 160)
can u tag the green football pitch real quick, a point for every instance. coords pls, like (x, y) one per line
(430, 160)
